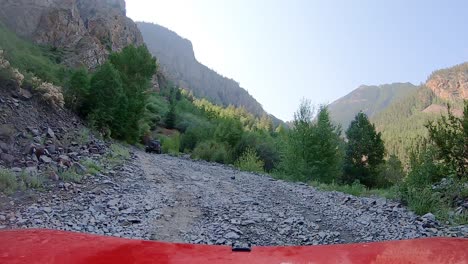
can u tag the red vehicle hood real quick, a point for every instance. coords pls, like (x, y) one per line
(51, 246)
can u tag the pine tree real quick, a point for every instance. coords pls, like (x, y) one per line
(325, 149)
(364, 152)
(450, 137)
(171, 117)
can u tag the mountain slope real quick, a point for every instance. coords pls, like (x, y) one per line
(176, 56)
(85, 31)
(402, 123)
(369, 99)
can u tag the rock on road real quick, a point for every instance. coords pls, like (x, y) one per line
(179, 200)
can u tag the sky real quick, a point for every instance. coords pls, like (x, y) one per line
(281, 51)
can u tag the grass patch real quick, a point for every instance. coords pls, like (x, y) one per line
(83, 136)
(35, 181)
(92, 167)
(117, 155)
(27, 57)
(71, 175)
(8, 183)
(358, 189)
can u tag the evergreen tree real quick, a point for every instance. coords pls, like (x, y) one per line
(325, 149)
(171, 117)
(77, 92)
(450, 137)
(106, 94)
(364, 152)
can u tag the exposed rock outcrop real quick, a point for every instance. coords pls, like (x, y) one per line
(86, 30)
(178, 62)
(451, 83)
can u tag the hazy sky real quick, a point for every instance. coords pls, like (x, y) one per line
(282, 51)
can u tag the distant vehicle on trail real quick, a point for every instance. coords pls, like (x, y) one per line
(153, 146)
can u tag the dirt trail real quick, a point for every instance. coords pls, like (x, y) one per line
(209, 203)
(179, 200)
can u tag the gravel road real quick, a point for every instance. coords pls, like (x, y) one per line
(166, 198)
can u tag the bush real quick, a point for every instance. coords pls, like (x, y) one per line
(8, 183)
(390, 172)
(421, 200)
(92, 167)
(211, 151)
(34, 181)
(250, 161)
(358, 189)
(171, 144)
(77, 92)
(117, 155)
(263, 144)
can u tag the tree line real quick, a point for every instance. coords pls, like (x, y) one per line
(117, 100)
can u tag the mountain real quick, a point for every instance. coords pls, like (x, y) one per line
(84, 31)
(369, 99)
(450, 83)
(176, 56)
(402, 122)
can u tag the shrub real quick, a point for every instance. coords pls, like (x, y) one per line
(71, 175)
(77, 92)
(250, 161)
(34, 181)
(8, 183)
(171, 144)
(422, 200)
(211, 151)
(92, 166)
(51, 94)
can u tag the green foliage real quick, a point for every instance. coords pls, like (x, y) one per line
(92, 167)
(391, 172)
(71, 175)
(106, 99)
(211, 151)
(449, 135)
(229, 131)
(171, 144)
(77, 92)
(171, 117)
(402, 124)
(313, 150)
(117, 98)
(117, 155)
(264, 145)
(8, 183)
(370, 99)
(364, 152)
(358, 189)
(422, 200)
(34, 181)
(250, 161)
(27, 57)
(198, 132)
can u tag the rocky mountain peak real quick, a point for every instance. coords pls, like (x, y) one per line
(85, 30)
(450, 83)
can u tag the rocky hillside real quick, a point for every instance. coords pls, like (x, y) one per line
(369, 99)
(451, 83)
(176, 56)
(85, 31)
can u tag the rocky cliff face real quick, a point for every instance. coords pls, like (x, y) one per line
(86, 30)
(177, 59)
(451, 83)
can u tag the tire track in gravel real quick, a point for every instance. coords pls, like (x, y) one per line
(208, 203)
